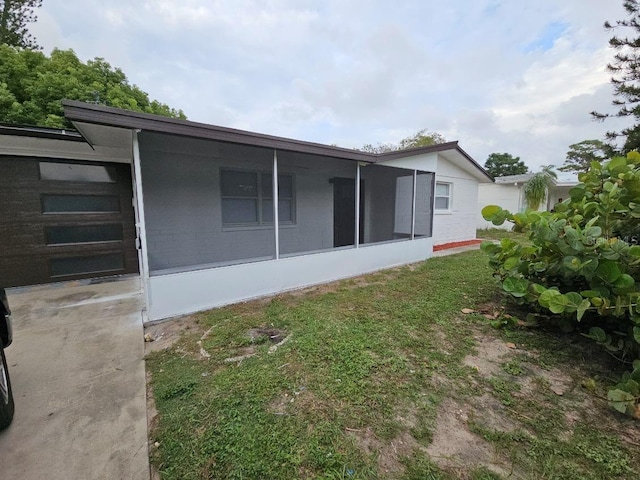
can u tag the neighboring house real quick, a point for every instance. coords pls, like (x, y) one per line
(219, 215)
(507, 192)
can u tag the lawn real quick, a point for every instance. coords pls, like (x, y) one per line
(383, 376)
(499, 234)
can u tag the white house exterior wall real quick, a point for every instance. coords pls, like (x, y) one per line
(510, 197)
(187, 292)
(507, 196)
(427, 162)
(459, 223)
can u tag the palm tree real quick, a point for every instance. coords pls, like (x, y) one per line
(535, 190)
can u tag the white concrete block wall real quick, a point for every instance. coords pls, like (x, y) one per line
(507, 196)
(510, 197)
(188, 292)
(459, 222)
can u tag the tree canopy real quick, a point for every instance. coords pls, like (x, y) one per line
(32, 86)
(501, 164)
(422, 138)
(14, 17)
(581, 154)
(626, 76)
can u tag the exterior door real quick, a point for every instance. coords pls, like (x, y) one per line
(344, 211)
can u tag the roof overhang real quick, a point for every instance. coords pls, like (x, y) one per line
(81, 113)
(91, 120)
(56, 143)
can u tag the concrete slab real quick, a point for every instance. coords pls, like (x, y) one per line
(78, 376)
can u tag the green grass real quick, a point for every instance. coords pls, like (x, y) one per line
(499, 234)
(369, 363)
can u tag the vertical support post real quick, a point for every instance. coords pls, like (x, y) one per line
(432, 202)
(357, 235)
(141, 229)
(276, 220)
(413, 204)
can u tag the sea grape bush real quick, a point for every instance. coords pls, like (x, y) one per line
(582, 268)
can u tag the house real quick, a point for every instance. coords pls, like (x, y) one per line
(507, 192)
(210, 215)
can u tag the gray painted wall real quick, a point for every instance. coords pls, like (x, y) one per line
(183, 205)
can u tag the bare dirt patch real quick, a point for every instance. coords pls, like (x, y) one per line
(491, 353)
(554, 379)
(273, 335)
(388, 454)
(162, 335)
(454, 446)
(488, 412)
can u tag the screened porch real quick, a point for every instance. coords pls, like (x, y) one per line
(212, 204)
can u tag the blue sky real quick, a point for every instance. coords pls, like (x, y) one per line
(499, 76)
(547, 38)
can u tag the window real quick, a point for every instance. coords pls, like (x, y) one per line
(247, 198)
(443, 196)
(76, 172)
(107, 262)
(73, 234)
(80, 204)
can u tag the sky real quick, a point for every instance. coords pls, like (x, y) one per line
(514, 76)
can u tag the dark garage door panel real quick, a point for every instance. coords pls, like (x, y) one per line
(27, 259)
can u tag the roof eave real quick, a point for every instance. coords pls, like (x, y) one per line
(82, 112)
(77, 111)
(40, 132)
(440, 147)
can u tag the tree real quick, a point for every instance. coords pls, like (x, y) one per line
(32, 86)
(14, 17)
(580, 155)
(580, 268)
(535, 189)
(501, 164)
(626, 76)
(422, 138)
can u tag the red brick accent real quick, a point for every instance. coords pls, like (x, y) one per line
(446, 246)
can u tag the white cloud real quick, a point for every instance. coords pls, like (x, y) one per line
(519, 77)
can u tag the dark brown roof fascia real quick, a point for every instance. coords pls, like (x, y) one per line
(115, 117)
(40, 132)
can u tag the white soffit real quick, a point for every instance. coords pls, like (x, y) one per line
(460, 161)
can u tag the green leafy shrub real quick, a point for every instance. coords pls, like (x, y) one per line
(582, 268)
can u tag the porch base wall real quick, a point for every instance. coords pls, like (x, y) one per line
(188, 292)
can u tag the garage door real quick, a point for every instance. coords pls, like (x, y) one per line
(64, 220)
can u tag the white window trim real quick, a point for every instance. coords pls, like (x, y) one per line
(260, 224)
(449, 197)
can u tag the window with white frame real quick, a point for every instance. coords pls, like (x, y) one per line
(247, 198)
(443, 196)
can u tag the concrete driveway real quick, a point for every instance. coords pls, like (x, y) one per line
(77, 369)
